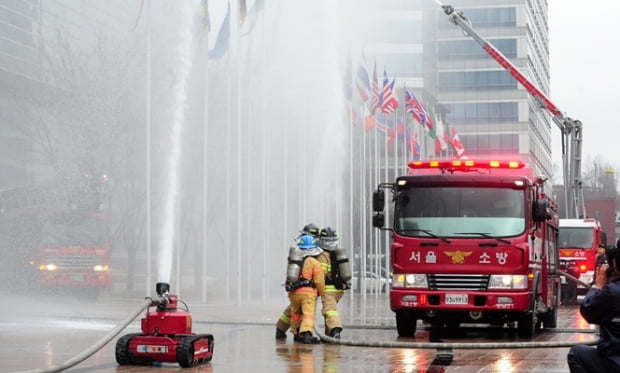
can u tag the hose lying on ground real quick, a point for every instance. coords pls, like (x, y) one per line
(97, 346)
(459, 345)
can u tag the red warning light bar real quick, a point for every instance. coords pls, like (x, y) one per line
(465, 164)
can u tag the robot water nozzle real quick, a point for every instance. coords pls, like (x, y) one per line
(162, 288)
(162, 300)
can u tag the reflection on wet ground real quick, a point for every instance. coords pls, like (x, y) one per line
(44, 333)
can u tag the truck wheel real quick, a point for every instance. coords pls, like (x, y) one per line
(405, 323)
(550, 320)
(527, 325)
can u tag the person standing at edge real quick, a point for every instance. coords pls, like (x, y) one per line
(601, 305)
(303, 293)
(284, 321)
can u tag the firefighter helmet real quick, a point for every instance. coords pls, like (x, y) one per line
(310, 229)
(307, 242)
(329, 237)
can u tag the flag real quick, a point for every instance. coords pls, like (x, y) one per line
(252, 17)
(447, 135)
(391, 136)
(415, 147)
(456, 142)
(223, 37)
(437, 132)
(347, 78)
(362, 81)
(400, 130)
(203, 17)
(243, 12)
(388, 102)
(374, 101)
(417, 110)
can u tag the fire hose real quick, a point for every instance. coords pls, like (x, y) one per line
(442, 346)
(460, 345)
(99, 344)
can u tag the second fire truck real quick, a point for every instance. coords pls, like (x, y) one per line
(578, 243)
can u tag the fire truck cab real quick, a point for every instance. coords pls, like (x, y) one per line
(473, 241)
(578, 242)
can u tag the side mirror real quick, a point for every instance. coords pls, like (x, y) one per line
(378, 200)
(378, 220)
(539, 211)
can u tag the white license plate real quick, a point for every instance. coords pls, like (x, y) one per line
(456, 299)
(76, 277)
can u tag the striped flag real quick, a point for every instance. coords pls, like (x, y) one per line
(374, 101)
(362, 80)
(388, 102)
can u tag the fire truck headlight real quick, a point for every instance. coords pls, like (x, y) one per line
(508, 282)
(47, 267)
(409, 280)
(100, 268)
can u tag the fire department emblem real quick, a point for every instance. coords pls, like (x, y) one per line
(458, 257)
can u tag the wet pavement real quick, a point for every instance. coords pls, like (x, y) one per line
(37, 333)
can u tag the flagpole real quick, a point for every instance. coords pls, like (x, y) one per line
(149, 269)
(375, 235)
(205, 162)
(363, 251)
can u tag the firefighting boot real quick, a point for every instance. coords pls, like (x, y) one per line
(308, 338)
(280, 334)
(335, 333)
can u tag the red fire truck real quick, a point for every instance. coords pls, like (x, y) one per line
(56, 236)
(578, 243)
(473, 241)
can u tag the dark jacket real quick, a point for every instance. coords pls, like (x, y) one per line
(602, 306)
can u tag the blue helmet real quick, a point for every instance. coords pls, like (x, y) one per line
(307, 242)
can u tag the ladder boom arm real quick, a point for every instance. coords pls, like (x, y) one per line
(570, 129)
(460, 20)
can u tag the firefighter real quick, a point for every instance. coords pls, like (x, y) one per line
(303, 293)
(601, 305)
(284, 321)
(335, 286)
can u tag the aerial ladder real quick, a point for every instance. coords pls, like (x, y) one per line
(570, 129)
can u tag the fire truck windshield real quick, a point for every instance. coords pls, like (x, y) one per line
(576, 237)
(75, 231)
(448, 211)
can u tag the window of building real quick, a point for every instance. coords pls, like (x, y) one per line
(476, 80)
(507, 143)
(469, 49)
(488, 17)
(394, 31)
(483, 112)
(401, 65)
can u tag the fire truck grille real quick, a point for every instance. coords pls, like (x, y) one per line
(75, 261)
(458, 282)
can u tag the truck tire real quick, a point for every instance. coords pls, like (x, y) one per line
(550, 320)
(405, 323)
(527, 325)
